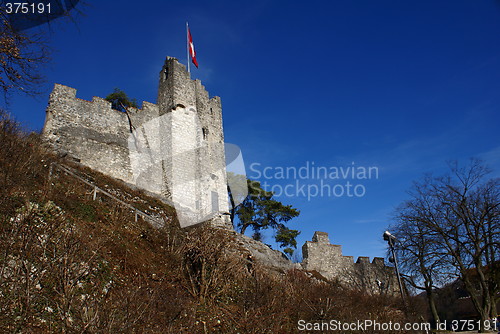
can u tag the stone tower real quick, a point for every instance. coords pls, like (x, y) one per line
(194, 171)
(174, 149)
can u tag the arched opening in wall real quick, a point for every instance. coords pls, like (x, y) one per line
(215, 201)
(165, 74)
(211, 111)
(205, 133)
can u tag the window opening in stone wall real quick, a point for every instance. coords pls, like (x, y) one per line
(205, 133)
(165, 74)
(215, 201)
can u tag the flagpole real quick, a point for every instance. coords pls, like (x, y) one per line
(187, 46)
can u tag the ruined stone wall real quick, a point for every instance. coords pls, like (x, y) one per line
(328, 260)
(174, 149)
(91, 131)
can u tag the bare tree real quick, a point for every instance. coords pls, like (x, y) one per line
(23, 51)
(452, 222)
(20, 57)
(421, 258)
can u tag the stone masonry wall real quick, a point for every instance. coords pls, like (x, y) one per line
(91, 131)
(327, 259)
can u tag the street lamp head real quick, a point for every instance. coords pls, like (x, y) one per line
(391, 240)
(388, 236)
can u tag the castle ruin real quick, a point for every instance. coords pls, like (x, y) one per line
(175, 150)
(327, 259)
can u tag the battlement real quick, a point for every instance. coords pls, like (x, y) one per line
(64, 93)
(363, 260)
(321, 237)
(328, 260)
(321, 243)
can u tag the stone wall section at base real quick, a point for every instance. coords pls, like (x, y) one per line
(328, 260)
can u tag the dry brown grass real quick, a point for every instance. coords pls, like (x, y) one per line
(71, 264)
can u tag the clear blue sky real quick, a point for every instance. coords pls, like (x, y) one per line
(399, 85)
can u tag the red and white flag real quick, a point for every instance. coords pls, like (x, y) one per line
(192, 53)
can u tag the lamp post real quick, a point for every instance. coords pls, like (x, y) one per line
(390, 240)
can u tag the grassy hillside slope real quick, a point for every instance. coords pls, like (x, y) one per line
(69, 263)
